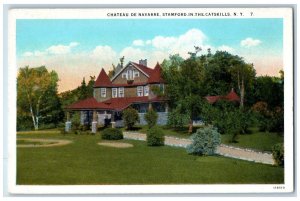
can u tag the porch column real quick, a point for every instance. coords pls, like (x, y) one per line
(150, 106)
(167, 107)
(113, 123)
(82, 117)
(94, 123)
(68, 123)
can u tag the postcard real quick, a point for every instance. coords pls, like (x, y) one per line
(150, 100)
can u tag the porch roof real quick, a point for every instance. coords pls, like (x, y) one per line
(111, 104)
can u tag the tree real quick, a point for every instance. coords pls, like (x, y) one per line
(83, 90)
(218, 79)
(270, 90)
(184, 88)
(37, 94)
(130, 117)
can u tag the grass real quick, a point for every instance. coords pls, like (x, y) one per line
(28, 142)
(255, 140)
(85, 162)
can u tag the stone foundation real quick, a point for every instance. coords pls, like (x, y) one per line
(161, 120)
(68, 126)
(94, 127)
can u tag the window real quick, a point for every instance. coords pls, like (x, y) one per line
(146, 90)
(124, 75)
(162, 88)
(139, 91)
(136, 73)
(114, 92)
(121, 92)
(103, 92)
(130, 75)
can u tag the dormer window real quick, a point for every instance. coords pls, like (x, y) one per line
(130, 74)
(103, 92)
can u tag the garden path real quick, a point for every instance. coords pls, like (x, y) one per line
(224, 150)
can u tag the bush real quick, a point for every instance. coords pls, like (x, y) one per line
(177, 119)
(130, 117)
(204, 141)
(75, 121)
(112, 134)
(278, 154)
(151, 118)
(155, 136)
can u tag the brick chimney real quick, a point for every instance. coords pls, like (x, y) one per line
(143, 62)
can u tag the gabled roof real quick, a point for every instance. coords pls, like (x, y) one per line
(155, 76)
(231, 96)
(102, 80)
(143, 69)
(146, 70)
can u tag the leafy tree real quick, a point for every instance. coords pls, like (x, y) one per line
(269, 119)
(37, 95)
(218, 78)
(270, 90)
(130, 117)
(184, 90)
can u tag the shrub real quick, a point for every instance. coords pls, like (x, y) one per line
(75, 121)
(112, 134)
(155, 136)
(204, 141)
(151, 118)
(177, 119)
(130, 117)
(278, 154)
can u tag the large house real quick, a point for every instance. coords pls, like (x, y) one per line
(134, 85)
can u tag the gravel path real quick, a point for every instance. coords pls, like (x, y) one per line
(224, 150)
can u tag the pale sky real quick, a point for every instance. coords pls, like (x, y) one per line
(80, 48)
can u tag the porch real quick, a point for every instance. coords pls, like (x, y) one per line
(98, 117)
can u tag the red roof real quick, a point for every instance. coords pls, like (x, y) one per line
(145, 69)
(155, 76)
(111, 104)
(89, 103)
(128, 85)
(102, 80)
(212, 99)
(231, 96)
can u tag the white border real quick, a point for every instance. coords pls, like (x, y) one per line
(285, 13)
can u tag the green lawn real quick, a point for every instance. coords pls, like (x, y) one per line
(85, 162)
(255, 140)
